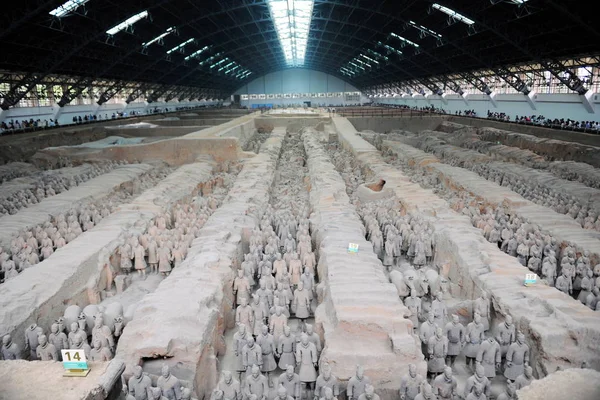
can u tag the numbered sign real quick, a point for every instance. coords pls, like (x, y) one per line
(530, 279)
(352, 248)
(75, 363)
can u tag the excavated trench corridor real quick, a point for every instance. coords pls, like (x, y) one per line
(279, 258)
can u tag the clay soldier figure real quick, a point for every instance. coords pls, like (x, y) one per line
(295, 269)
(482, 307)
(277, 322)
(478, 380)
(164, 260)
(444, 386)
(267, 345)
(413, 303)
(411, 384)
(282, 394)
(99, 352)
(369, 394)
(506, 335)
(76, 331)
(140, 264)
(229, 386)
(426, 393)
(426, 331)
(10, 350)
(58, 339)
(477, 394)
(510, 393)
(103, 332)
(80, 344)
(474, 338)
(256, 384)
(251, 355)
(314, 338)
(525, 378)
(239, 342)
(455, 332)
(260, 318)
(517, 358)
(139, 384)
(286, 348)
(564, 284)
(241, 287)
(440, 313)
(326, 380)
(168, 384)
(290, 381)
(437, 351)
(279, 266)
(244, 314)
(46, 351)
(153, 255)
(306, 359)
(490, 357)
(301, 304)
(357, 383)
(266, 297)
(31, 340)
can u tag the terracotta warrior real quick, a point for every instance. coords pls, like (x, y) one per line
(440, 313)
(103, 333)
(307, 359)
(475, 335)
(478, 380)
(437, 350)
(427, 392)
(256, 385)
(58, 339)
(301, 303)
(410, 385)
(267, 345)
(99, 352)
(282, 394)
(517, 358)
(140, 264)
(510, 392)
(239, 342)
(46, 351)
(444, 386)
(426, 331)
(290, 381)
(506, 335)
(490, 357)
(241, 287)
(286, 348)
(251, 355)
(153, 255)
(229, 386)
(10, 350)
(525, 378)
(369, 394)
(79, 344)
(139, 384)
(278, 322)
(244, 314)
(31, 340)
(413, 303)
(168, 384)
(455, 332)
(326, 380)
(482, 307)
(477, 394)
(260, 318)
(357, 383)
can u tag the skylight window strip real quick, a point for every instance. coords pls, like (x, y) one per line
(181, 45)
(390, 48)
(292, 19)
(210, 58)
(127, 23)
(363, 63)
(453, 14)
(347, 71)
(197, 52)
(225, 66)
(159, 37)
(424, 29)
(219, 63)
(357, 66)
(67, 8)
(232, 69)
(405, 40)
(376, 54)
(369, 58)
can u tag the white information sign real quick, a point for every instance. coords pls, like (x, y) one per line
(74, 362)
(530, 279)
(352, 248)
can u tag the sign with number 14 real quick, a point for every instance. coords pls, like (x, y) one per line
(75, 363)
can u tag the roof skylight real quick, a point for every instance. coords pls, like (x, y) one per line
(67, 7)
(404, 40)
(390, 48)
(424, 29)
(453, 14)
(180, 45)
(292, 21)
(127, 23)
(197, 53)
(159, 37)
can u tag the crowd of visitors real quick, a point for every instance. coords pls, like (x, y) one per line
(14, 125)
(541, 120)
